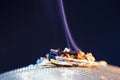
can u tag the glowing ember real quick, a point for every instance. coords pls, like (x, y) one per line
(68, 57)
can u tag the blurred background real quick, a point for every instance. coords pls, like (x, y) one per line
(29, 28)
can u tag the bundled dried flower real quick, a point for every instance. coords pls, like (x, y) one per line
(90, 57)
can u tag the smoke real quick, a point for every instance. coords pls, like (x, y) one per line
(70, 41)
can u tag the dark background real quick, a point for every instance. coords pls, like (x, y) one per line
(29, 28)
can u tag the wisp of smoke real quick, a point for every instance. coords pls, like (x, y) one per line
(70, 41)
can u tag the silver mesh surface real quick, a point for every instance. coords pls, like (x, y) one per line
(62, 73)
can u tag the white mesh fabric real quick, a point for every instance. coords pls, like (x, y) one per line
(62, 73)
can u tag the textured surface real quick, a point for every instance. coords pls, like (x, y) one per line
(35, 72)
